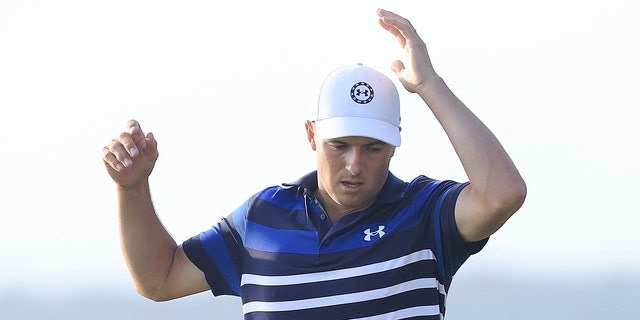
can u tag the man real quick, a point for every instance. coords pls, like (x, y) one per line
(350, 240)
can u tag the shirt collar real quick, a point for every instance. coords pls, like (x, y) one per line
(392, 190)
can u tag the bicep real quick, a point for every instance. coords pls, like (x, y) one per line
(475, 217)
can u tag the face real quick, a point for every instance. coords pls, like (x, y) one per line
(351, 171)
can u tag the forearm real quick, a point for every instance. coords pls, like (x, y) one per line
(490, 170)
(147, 246)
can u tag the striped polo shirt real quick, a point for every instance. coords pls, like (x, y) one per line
(282, 255)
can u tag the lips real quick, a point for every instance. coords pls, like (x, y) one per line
(351, 184)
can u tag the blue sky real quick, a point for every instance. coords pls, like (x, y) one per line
(226, 89)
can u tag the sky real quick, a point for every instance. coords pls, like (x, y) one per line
(225, 89)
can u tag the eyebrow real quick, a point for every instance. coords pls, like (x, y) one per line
(374, 142)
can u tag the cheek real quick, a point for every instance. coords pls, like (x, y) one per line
(327, 171)
(325, 155)
(327, 163)
(381, 165)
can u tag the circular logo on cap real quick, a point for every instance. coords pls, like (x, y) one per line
(362, 93)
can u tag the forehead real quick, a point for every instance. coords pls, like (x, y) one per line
(356, 140)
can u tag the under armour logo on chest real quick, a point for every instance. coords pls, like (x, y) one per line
(369, 234)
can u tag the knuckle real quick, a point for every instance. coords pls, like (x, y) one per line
(124, 136)
(113, 144)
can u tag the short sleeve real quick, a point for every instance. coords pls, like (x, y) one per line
(218, 253)
(455, 251)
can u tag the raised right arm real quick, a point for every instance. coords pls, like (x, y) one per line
(159, 267)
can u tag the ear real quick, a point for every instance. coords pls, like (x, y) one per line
(311, 133)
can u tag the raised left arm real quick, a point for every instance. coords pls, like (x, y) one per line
(496, 189)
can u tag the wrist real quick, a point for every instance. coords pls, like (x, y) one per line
(135, 187)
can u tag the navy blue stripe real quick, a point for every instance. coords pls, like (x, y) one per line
(234, 246)
(283, 252)
(285, 198)
(340, 286)
(280, 240)
(216, 248)
(238, 219)
(270, 214)
(359, 309)
(456, 250)
(273, 232)
(392, 245)
(196, 253)
(438, 235)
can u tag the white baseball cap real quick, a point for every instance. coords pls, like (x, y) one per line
(356, 100)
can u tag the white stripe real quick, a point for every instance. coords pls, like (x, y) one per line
(261, 306)
(406, 313)
(442, 291)
(337, 274)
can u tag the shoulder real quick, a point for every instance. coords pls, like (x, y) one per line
(423, 187)
(280, 195)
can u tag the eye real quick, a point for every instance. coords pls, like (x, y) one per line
(338, 146)
(375, 147)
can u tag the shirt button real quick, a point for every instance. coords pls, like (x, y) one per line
(323, 216)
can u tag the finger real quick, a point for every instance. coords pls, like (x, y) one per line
(120, 151)
(151, 149)
(133, 126)
(392, 16)
(397, 33)
(137, 135)
(397, 67)
(385, 23)
(396, 24)
(110, 159)
(127, 145)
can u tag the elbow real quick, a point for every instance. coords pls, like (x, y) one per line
(154, 298)
(492, 212)
(511, 200)
(519, 195)
(154, 293)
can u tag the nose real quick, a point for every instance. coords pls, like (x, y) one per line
(354, 162)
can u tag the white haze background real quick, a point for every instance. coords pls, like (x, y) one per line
(225, 88)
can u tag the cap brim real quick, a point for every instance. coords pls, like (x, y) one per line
(358, 127)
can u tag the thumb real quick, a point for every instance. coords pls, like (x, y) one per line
(151, 146)
(397, 67)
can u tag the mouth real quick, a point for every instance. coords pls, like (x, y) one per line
(351, 184)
